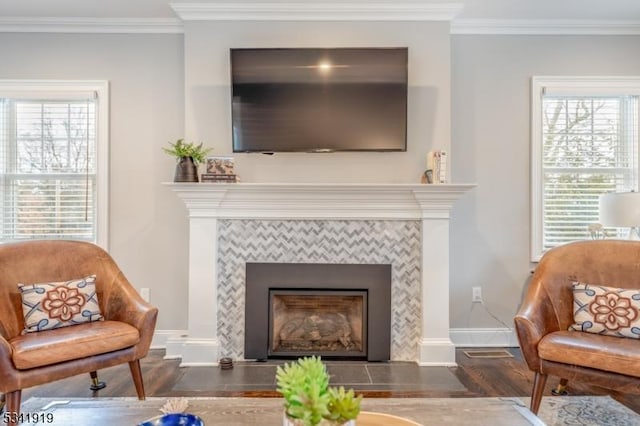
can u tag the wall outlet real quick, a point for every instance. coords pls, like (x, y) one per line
(476, 295)
(144, 293)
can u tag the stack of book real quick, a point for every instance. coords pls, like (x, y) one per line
(436, 167)
(219, 178)
(219, 170)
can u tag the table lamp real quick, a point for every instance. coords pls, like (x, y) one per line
(621, 209)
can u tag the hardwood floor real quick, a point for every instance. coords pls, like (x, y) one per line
(482, 377)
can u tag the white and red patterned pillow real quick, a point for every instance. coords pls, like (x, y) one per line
(606, 310)
(46, 306)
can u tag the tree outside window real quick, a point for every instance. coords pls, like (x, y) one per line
(584, 144)
(53, 185)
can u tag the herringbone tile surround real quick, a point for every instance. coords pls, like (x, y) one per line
(321, 241)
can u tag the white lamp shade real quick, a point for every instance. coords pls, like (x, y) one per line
(620, 209)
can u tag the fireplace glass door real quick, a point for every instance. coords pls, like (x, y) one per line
(328, 323)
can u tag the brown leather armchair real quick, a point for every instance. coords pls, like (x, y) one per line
(36, 358)
(547, 312)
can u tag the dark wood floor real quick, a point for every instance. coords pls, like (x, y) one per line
(482, 377)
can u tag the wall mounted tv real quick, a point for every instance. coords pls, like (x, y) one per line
(319, 100)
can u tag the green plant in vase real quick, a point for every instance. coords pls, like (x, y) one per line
(180, 149)
(189, 155)
(308, 399)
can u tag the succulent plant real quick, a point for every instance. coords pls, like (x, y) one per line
(304, 384)
(343, 405)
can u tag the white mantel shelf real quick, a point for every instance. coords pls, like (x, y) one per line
(318, 200)
(208, 202)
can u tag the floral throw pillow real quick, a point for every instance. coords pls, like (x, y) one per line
(59, 304)
(606, 310)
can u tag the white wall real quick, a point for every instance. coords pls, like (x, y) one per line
(147, 222)
(490, 146)
(208, 106)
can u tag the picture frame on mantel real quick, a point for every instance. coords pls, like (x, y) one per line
(219, 170)
(220, 165)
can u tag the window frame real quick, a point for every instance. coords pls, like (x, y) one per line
(59, 89)
(588, 86)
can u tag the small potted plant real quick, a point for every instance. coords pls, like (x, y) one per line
(188, 155)
(308, 399)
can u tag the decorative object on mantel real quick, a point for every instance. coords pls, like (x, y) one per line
(436, 171)
(215, 178)
(220, 165)
(219, 170)
(189, 155)
(309, 401)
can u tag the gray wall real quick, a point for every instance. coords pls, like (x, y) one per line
(490, 146)
(147, 110)
(167, 86)
(208, 109)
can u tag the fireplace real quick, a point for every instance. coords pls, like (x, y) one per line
(317, 322)
(404, 225)
(331, 310)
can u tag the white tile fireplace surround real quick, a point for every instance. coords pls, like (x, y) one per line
(405, 225)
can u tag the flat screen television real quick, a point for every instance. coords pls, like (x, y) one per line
(319, 99)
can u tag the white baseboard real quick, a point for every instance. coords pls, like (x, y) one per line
(461, 337)
(160, 337)
(191, 352)
(436, 352)
(483, 337)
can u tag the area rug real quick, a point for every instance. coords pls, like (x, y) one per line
(555, 411)
(586, 411)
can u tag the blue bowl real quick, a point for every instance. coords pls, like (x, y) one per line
(174, 419)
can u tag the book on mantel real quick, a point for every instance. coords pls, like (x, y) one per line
(436, 171)
(218, 178)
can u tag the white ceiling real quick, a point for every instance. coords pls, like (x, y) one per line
(473, 9)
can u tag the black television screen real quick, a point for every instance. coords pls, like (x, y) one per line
(316, 100)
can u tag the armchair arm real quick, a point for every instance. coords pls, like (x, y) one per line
(535, 319)
(125, 304)
(7, 378)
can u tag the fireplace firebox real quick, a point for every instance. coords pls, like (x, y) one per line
(322, 322)
(331, 310)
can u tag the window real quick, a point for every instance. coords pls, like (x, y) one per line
(53, 160)
(584, 143)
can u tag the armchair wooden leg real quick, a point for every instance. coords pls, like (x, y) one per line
(96, 384)
(561, 389)
(536, 394)
(13, 406)
(136, 373)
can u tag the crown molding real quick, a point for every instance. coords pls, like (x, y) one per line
(298, 11)
(20, 24)
(318, 11)
(545, 27)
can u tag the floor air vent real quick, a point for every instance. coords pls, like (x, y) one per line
(498, 353)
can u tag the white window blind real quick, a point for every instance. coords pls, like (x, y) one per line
(49, 166)
(585, 143)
